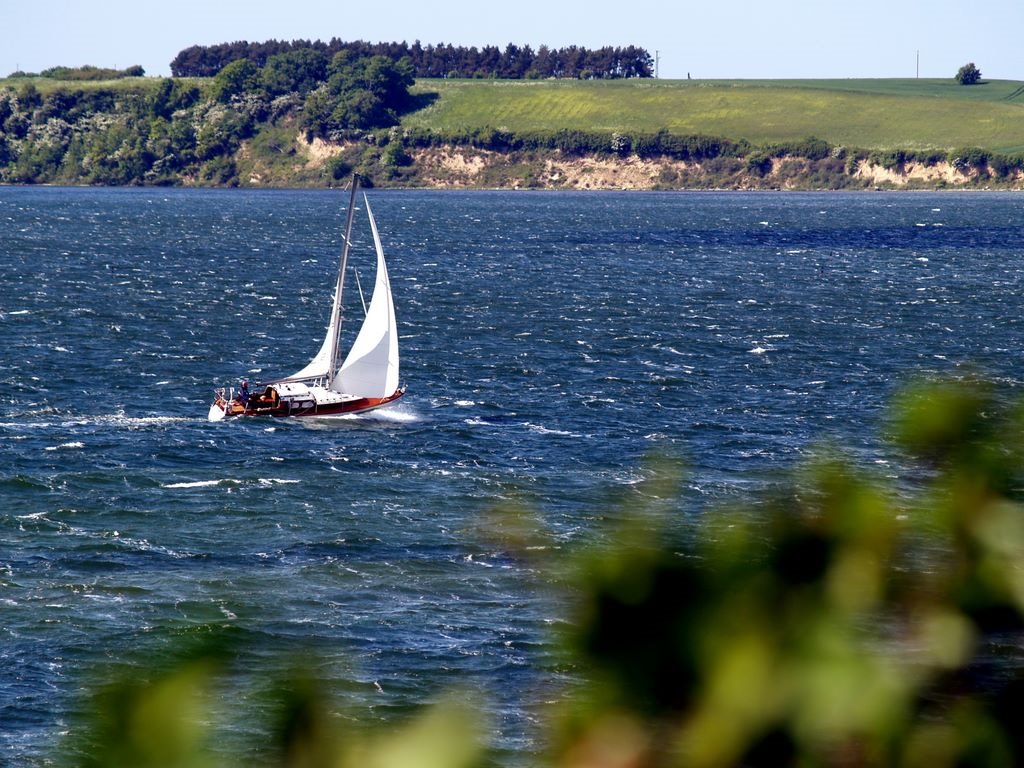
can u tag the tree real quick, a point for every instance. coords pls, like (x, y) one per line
(298, 71)
(361, 93)
(29, 98)
(236, 78)
(968, 74)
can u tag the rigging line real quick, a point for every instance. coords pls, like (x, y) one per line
(359, 285)
(336, 309)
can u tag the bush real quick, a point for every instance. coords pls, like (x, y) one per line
(890, 159)
(968, 74)
(91, 73)
(236, 78)
(220, 170)
(395, 156)
(338, 168)
(810, 148)
(759, 163)
(966, 158)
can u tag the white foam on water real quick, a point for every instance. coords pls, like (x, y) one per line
(73, 445)
(397, 415)
(549, 431)
(201, 483)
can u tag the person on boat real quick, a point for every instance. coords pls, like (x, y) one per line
(243, 392)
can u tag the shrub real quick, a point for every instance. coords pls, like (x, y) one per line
(620, 144)
(890, 159)
(965, 158)
(810, 148)
(395, 156)
(338, 168)
(236, 78)
(91, 73)
(220, 170)
(759, 163)
(968, 74)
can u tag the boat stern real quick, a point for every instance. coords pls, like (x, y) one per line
(217, 412)
(223, 407)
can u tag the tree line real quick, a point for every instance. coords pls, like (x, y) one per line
(87, 72)
(435, 61)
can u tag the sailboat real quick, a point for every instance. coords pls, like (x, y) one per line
(367, 378)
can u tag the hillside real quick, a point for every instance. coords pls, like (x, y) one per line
(870, 114)
(636, 134)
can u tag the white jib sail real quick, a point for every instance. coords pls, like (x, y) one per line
(320, 365)
(371, 366)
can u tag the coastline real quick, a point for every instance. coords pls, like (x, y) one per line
(461, 167)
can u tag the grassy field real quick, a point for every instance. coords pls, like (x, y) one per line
(869, 114)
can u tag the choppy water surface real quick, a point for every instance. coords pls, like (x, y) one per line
(550, 343)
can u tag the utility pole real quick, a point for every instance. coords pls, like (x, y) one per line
(919, 64)
(657, 62)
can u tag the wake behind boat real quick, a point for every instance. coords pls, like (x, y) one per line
(366, 379)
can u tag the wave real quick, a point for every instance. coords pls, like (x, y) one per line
(74, 444)
(541, 429)
(392, 415)
(230, 481)
(63, 420)
(397, 415)
(133, 422)
(202, 483)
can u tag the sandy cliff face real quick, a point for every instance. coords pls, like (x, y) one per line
(471, 168)
(455, 166)
(940, 174)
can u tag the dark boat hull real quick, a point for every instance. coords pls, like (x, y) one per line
(289, 409)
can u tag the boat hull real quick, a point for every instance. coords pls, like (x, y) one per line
(286, 409)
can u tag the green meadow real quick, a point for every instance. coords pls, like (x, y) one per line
(910, 114)
(870, 114)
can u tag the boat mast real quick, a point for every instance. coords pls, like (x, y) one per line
(336, 309)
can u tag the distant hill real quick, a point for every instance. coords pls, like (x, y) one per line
(870, 114)
(635, 133)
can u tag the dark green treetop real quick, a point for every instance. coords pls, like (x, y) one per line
(968, 74)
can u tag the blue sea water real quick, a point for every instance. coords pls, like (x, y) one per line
(551, 343)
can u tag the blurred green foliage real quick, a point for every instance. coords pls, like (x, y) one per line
(845, 620)
(842, 622)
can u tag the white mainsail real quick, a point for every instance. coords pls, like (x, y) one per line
(371, 366)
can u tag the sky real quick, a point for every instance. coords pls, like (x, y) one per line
(709, 39)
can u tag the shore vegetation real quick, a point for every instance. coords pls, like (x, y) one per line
(299, 117)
